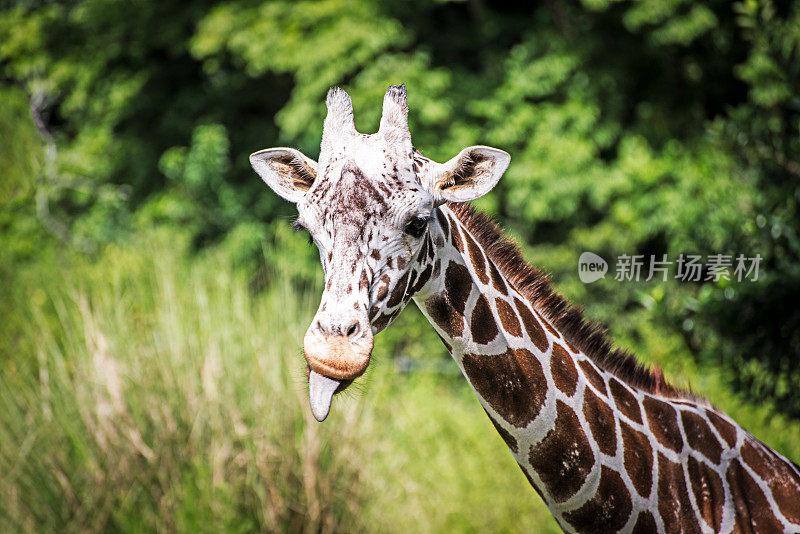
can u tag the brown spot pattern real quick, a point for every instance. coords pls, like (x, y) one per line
(478, 261)
(505, 434)
(725, 429)
(497, 280)
(383, 290)
(445, 316)
(645, 523)
(625, 401)
(458, 285)
(782, 479)
(508, 317)
(593, 376)
(443, 222)
(601, 422)
(399, 291)
(608, 510)
(699, 436)
(674, 506)
(482, 324)
(532, 326)
(708, 492)
(437, 268)
(565, 375)
(563, 459)
(512, 383)
(412, 281)
(382, 322)
(749, 502)
(431, 252)
(547, 325)
(662, 419)
(423, 279)
(638, 459)
(455, 237)
(423, 250)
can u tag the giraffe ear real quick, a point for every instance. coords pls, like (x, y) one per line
(470, 175)
(287, 171)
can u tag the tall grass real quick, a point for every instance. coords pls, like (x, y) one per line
(150, 392)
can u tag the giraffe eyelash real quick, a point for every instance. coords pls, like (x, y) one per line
(298, 227)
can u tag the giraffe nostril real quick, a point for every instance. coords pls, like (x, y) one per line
(353, 330)
(322, 328)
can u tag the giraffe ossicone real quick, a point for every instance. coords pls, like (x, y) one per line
(607, 444)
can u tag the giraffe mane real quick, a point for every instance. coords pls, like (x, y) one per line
(588, 336)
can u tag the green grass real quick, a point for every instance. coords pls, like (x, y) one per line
(146, 391)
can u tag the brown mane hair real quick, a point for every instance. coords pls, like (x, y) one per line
(589, 337)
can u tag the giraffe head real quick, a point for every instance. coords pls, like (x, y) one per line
(366, 204)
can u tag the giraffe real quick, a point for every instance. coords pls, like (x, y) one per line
(608, 444)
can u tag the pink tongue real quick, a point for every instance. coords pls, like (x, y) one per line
(320, 392)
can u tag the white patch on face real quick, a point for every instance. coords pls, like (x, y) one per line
(357, 213)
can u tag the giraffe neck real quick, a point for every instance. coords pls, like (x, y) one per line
(602, 454)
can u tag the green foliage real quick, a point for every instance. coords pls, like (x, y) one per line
(200, 195)
(20, 146)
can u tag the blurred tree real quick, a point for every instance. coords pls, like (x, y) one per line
(759, 324)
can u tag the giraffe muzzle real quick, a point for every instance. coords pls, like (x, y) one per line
(334, 361)
(337, 357)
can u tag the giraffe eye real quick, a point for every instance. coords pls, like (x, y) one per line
(415, 227)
